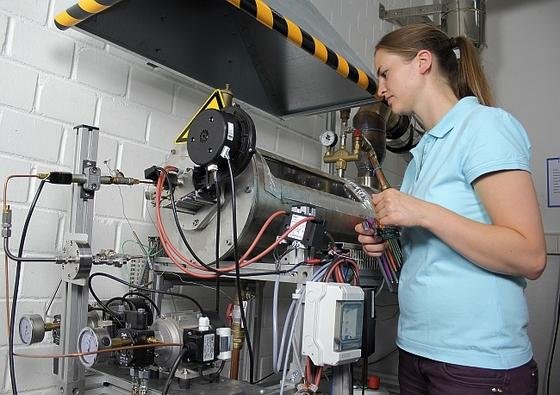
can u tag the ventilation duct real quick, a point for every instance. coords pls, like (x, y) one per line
(455, 17)
(280, 56)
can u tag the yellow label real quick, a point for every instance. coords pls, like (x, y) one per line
(215, 101)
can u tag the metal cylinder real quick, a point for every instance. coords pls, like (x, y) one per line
(465, 18)
(270, 183)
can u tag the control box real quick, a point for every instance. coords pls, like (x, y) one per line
(332, 323)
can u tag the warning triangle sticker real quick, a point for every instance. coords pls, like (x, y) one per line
(215, 101)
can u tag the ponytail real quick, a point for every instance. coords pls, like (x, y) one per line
(464, 73)
(470, 78)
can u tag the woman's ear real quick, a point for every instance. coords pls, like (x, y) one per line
(424, 58)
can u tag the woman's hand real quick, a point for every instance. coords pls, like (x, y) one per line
(396, 208)
(371, 244)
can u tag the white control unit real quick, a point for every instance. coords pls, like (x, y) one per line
(332, 323)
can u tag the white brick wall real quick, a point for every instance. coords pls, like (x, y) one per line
(45, 49)
(18, 85)
(52, 81)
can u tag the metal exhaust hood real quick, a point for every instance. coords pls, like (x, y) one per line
(219, 42)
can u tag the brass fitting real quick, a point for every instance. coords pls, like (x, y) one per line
(238, 334)
(227, 95)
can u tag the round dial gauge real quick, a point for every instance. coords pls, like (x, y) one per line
(328, 138)
(90, 341)
(31, 329)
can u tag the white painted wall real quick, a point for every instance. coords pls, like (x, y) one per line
(522, 64)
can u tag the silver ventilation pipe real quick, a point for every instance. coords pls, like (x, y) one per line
(455, 17)
(465, 18)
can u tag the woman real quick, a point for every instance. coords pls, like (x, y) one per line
(471, 226)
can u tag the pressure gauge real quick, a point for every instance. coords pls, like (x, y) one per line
(31, 329)
(328, 138)
(90, 341)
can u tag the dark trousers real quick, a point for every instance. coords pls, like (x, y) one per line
(423, 376)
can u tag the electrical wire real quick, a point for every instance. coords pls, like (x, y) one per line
(174, 254)
(237, 277)
(275, 309)
(217, 247)
(120, 299)
(149, 300)
(51, 300)
(195, 283)
(213, 376)
(101, 274)
(172, 371)
(16, 285)
(264, 378)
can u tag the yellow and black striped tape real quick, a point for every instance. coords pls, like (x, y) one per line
(262, 13)
(81, 11)
(273, 20)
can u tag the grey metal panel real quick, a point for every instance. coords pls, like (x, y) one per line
(215, 43)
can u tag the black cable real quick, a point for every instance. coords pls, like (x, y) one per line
(121, 299)
(176, 363)
(184, 238)
(158, 311)
(212, 376)
(253, 274)
(264, 378)
(95, 309)
(178, 224)
(237, 276)
(102, 305)
(16, 284)
(101, 274)
(218, 218)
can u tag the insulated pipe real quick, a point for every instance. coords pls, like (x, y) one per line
(259, 10)
(81, 11)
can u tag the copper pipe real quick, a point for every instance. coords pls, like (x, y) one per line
(234, 368)
(79, 354)
(383, 183)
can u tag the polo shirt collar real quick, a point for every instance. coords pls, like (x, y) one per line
(453, 116)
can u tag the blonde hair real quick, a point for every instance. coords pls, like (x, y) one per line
(464, 74)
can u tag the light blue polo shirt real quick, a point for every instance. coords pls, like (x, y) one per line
(452, 310)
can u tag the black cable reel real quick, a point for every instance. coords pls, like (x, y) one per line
(215, 136)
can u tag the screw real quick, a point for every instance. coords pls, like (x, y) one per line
(248, 189)
(195, 222)
(228, 242)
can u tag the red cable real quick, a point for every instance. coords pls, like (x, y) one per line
(174, 254)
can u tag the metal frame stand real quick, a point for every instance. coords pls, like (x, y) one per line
(69, 370)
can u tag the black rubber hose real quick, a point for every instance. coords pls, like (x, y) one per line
(16, 285)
